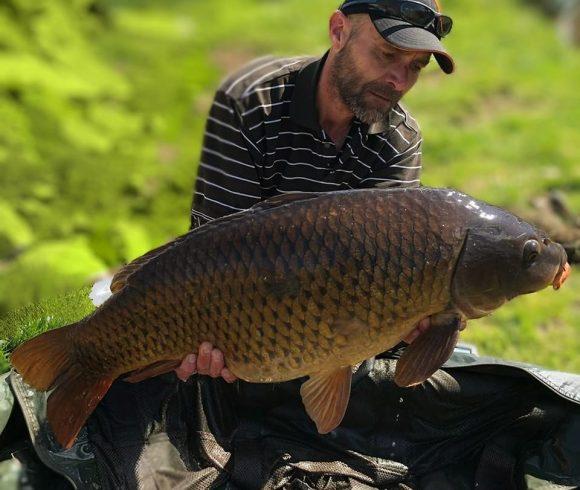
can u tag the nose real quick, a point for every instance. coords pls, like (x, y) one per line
(398, 77)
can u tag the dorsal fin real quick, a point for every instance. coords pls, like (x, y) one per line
(120, 278)
(280, 200)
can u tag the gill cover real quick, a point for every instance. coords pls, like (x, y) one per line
(481, 282)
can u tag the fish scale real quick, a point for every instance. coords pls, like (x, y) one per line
(299, 285)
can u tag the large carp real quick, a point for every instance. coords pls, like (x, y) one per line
(299, 285)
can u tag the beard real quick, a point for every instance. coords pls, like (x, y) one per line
(357, 94)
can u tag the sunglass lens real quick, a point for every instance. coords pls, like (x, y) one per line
(445, 25)
(416, 14)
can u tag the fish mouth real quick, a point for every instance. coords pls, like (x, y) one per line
(561, 276)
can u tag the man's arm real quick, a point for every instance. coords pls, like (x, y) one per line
(227, 182)
(227, 179)
(403, 170)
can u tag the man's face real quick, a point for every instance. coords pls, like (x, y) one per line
(371, 75)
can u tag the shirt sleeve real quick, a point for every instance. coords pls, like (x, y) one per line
(227, 179)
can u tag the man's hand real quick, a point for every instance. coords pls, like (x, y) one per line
(421, 327)
(208, 361)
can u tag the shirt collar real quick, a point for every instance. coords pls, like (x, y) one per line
(379, 127)
(304, 109)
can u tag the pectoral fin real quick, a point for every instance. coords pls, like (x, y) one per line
(429, 351)
(152, 370)
(326, 396)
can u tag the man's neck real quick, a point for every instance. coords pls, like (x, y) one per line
(334, 116)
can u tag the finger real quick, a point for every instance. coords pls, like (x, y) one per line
(216, 364)
(420, 328)
(228, 376)
(412, 336)
(204, 358)
(424, 324)
(187, 368)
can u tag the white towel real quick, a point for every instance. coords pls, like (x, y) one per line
(101, 291)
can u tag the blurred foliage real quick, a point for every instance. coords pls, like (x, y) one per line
(79, 155)
(14, 231)
(103, 104)
(50, 266)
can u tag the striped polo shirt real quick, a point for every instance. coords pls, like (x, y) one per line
(263, 138)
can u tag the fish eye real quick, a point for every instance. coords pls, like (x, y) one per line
(531, 251)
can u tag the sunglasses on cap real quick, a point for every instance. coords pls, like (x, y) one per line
(415, 13)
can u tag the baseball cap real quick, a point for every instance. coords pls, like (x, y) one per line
(401, 33)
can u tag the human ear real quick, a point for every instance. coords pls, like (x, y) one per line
(339, 29)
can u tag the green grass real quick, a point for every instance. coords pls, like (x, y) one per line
(33, 319)
(504, 128)
(540, 328)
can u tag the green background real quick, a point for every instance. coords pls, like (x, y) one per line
(102, 108)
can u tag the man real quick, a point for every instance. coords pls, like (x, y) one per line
(314, 125)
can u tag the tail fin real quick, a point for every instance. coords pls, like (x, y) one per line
(44, 358)
(45, 362)
(71, 403)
